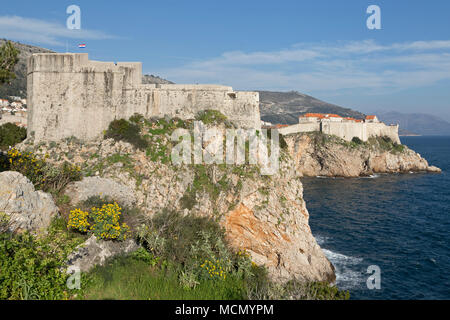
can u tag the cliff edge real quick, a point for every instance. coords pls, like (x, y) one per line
(318, 154)
(265, 216)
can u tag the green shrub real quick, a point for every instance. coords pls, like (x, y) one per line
(123, 130)
(4, 162)
(136, 118)
(211, 117)
(43, 175)
(398, 148)
(11, 134)
(357, 140)
(33, 268)
(4, 222)
(179, 234)
(386, 144)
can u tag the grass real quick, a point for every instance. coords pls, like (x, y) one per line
(125, 278)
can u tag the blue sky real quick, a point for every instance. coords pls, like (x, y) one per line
(322, 48)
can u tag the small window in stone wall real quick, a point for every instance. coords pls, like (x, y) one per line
(232, 95)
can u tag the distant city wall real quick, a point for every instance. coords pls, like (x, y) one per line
(382, 130)
(346, 130)
(300, 127)
(70, 95)
(18, 119)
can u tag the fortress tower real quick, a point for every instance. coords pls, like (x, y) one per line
(70, 95)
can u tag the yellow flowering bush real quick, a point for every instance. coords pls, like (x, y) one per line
(43, 175)
(27, 164)
(103, 222)
(78, 220)
(214, 269)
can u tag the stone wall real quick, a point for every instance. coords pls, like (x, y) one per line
(70, 95)
(380, 129)
(300, 127)
(346, 130)
(18, 119)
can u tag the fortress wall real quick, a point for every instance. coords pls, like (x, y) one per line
(17, 119)
(345, 130)
(240, 107)
(381, 129)
(70, 95)
(300, 127)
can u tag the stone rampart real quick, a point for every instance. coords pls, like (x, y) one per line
(346, 130)
(70, 95)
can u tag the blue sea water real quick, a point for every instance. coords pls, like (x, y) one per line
(399, 222)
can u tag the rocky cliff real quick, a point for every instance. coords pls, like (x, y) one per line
(264, 215)
(317, 154)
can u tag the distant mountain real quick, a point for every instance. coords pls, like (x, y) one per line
(18, 86)
(151, 79)
(286, 107)
(418, 123)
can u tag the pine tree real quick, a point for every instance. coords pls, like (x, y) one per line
(9, 56)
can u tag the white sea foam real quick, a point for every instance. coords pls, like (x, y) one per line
(372, 176)
(348, 274)
(321, 239)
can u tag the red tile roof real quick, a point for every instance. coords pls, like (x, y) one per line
(370, 117)
(313, 115)
(321, 115)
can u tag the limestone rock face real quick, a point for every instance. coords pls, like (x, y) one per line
(106, 188)
(29, 210)
(95, 252)
(265, 215)
(336, 159)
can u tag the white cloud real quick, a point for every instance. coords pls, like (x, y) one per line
(43, 32)
(331, 68)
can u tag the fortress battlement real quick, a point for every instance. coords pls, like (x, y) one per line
(345, 128)
(70, 95)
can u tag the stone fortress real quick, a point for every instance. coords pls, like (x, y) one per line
(70, 95)
(345, 128)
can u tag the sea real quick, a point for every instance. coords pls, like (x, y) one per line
(388, 235)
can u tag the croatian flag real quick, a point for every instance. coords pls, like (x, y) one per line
(82, 46)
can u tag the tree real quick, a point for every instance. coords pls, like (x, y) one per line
(10, 134)
(9, 56)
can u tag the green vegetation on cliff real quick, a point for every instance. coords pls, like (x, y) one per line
(181, 256)
(321, 140)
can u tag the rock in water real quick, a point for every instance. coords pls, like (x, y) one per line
(29, 210)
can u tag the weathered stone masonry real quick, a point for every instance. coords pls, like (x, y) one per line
(70, 95)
